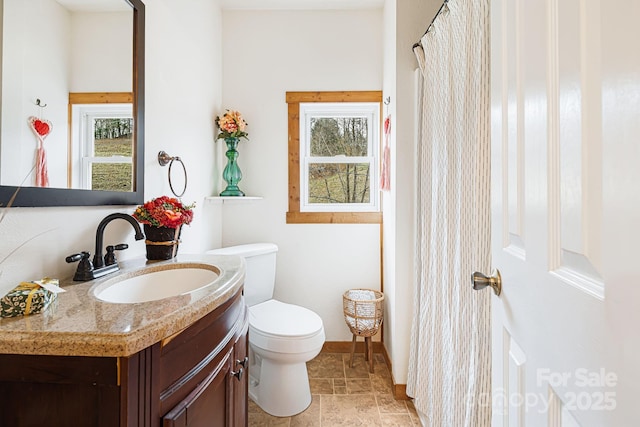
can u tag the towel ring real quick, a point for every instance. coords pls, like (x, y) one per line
(163, 160)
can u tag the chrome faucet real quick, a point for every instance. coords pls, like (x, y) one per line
(102, 265)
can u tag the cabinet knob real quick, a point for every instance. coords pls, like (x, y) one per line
(238, 373)
(242, 362)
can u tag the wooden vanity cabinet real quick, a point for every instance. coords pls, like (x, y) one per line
(220, 399)
(214, 392)
(193, 378)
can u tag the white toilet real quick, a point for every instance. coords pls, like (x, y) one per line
(282, 337)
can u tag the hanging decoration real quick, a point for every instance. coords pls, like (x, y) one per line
(41, 129)
(385, 174)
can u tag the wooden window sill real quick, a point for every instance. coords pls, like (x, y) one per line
(334, 217)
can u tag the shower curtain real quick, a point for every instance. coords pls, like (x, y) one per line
(450, 354)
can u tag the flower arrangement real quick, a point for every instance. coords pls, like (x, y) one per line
(164, 212)
(231, 125)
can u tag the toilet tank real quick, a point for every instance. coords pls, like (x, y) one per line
(260, 275)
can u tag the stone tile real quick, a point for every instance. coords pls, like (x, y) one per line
(360, 366)
(310, 417)
(388, 405)
(340, 390)
(259, 418)
(359, 398)
(326, 365)
(349, 410)
(381, 384)
(382, 371)
(379, 362)
(321, 385)
(359, 386)
(413, 413)
(398, 420)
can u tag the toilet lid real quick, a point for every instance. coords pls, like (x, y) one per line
(283, 320)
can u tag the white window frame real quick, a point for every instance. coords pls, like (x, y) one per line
(368, 110)
(83, 138)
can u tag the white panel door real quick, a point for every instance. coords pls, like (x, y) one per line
(566, 212)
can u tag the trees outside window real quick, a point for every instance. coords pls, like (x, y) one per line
(333, 156)
(110, 166)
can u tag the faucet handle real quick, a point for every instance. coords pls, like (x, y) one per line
(77, 257)
(110, 257)
(85, 267)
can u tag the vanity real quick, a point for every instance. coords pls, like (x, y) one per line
(176, 361)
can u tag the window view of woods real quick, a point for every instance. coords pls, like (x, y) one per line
(113, 137)
(337, 171)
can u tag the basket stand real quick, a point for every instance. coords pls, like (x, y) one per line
(363, 312)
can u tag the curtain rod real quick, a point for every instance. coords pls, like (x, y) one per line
(444, 4)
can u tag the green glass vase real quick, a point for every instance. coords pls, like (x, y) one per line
(232, 173)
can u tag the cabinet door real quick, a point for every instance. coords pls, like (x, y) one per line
(208, 405)
(58, 391)
(240, 383)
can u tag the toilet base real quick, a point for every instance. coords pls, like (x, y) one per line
(282, 390)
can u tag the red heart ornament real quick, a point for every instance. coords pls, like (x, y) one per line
(40, 127)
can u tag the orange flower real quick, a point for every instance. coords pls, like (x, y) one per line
(232, 125)
(173, 216)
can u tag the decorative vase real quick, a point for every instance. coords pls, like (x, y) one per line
(232, 173)
(162, 242)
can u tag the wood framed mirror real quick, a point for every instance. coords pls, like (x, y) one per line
(54, 50)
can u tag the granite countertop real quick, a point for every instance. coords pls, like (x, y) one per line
(78, 324)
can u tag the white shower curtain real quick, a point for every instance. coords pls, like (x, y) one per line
(450, 355)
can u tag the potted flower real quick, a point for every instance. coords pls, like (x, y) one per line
(162, 219)
(232, 127)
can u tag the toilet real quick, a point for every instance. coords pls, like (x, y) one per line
(282, 337)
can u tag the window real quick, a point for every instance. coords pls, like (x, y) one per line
(102, 131)
(333, 157)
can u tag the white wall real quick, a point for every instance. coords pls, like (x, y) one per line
(404, 23)
(101, 52)
(183, 90)
(266, 54)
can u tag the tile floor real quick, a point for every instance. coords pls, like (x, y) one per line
(344, 396)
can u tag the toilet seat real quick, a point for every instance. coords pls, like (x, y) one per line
(284, 328)
(279, 319)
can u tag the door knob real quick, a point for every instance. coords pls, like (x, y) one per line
(480, 281)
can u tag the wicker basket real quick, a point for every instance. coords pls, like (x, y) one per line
(363, 311)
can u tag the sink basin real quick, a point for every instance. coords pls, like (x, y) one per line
(156, 283)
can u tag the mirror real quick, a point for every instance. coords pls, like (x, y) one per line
(53, 54)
